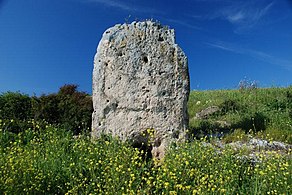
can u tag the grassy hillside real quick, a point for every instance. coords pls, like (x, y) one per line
(264, 112)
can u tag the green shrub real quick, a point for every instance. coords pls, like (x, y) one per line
(14, 105)
(75, 109)
(69, 108)
(46, 107)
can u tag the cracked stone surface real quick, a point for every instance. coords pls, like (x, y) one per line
(140, 81)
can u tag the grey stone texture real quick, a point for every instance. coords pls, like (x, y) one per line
(206, 113)
(140, 82)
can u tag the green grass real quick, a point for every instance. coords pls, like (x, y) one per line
(38, 158)
(263, 112)
(49, 160)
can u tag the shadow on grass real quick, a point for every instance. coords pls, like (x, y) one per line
(250, 123)
(256, 122)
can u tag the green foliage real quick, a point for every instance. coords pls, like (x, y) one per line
(15, 106)
(236, 135)
(69, 108)
(46, 107)
(197, 169)
(253, 122)
(289, 101)
(229, 105)
(203, 128)
(49, 160)
(75, 109)
(249, 108)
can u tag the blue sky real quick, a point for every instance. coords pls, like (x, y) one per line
(45, 44)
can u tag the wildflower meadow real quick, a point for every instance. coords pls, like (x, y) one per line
(44, 159)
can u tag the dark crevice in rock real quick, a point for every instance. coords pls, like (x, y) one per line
(145, 59)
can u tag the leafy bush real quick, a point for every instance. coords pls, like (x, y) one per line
(14, 105)
(75, 109)
(46, 107)
(69, 108)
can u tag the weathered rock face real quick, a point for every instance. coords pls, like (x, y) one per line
(140, 82)
(206, 113)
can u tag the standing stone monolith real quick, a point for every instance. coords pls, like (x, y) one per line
(140, 82)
